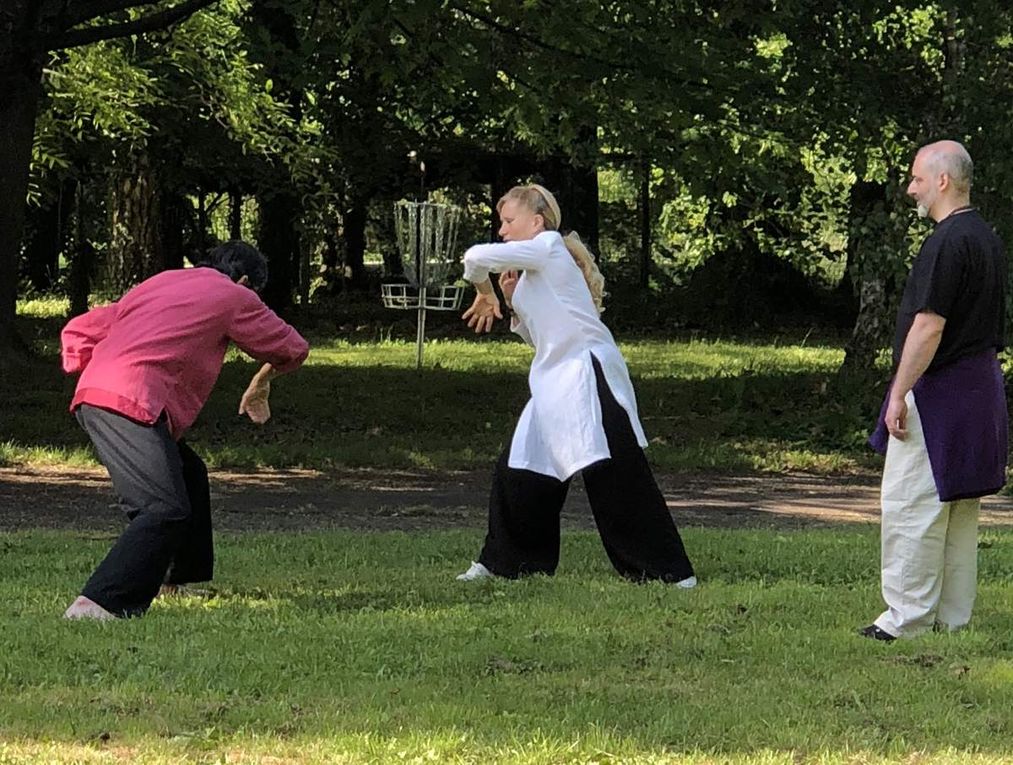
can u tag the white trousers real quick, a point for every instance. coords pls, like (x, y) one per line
(929, 548)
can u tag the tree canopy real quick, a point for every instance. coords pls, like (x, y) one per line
(781, 132)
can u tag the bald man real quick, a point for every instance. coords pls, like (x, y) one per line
(943, 427)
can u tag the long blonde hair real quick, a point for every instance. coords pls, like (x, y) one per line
(540, 201)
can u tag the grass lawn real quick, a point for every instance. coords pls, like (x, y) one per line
(706, 404)
(360, 648)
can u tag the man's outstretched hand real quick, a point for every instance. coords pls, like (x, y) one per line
(254, 403)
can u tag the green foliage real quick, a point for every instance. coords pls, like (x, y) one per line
(878, 81)
(685, 236)
(760, 126)
(208, 58)
(191, 94)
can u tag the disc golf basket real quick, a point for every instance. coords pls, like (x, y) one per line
(426, 239)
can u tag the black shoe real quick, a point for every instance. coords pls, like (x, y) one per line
(874, 632)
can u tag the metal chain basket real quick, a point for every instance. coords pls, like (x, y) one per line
(427, 241)
(445, 297)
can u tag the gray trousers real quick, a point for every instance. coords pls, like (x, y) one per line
(164, 487)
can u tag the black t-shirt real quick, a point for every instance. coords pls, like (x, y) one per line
(960, 274)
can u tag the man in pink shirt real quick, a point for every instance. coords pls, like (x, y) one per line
(148, 363)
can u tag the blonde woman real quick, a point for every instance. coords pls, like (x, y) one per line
(582, 415)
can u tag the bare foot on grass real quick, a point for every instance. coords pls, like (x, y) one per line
(85, 608)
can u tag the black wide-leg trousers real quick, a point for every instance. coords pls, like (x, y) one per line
(164, 486)
(629, 509)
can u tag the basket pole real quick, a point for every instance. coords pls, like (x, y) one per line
(420, 272)
(420, 336)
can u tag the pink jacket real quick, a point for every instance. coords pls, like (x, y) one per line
(161, 347)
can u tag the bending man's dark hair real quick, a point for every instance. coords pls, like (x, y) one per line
(237, 259)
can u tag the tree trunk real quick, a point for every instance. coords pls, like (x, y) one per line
(135, 250)
(502, 182)
(645, 224)
(281, 212)
(871, 330)
(20, 76)
(873, 323)
(393, 266)
(355, 241)
(203, 237)
(329, 256)
(82, 264)
(305, 277)
(235, 215)
(82, 259)
(576, 189)
(172, 230)
(279, 241)
(581, 192)
(950, 119)
(48, 237)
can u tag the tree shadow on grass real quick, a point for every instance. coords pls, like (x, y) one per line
(379, 416)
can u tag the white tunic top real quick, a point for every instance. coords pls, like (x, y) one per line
(560, 431)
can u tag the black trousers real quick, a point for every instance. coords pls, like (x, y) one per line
(164, 486)
(638, 532)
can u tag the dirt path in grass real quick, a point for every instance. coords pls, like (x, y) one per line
(390, 500)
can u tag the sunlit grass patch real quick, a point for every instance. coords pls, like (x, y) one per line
(45, 307)
(765, 455)
(703, 358)
(12, 453)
